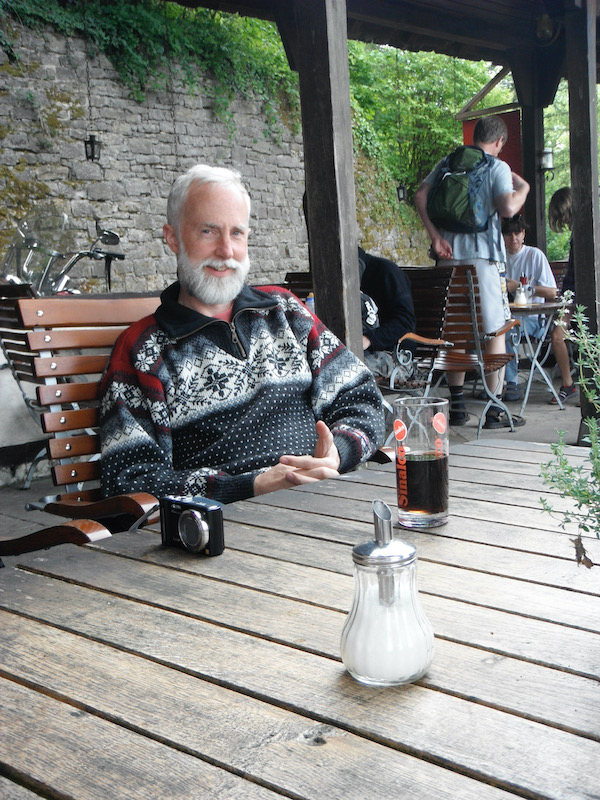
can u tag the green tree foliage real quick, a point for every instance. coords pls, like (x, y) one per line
(556, 136)
(405, 103)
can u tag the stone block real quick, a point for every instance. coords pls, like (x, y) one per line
(100, 191)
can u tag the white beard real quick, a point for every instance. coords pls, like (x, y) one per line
(207, 288)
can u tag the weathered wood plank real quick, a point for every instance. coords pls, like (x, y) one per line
(478, 740)
(358, 499)
(60, 748)
(276, 615)
(12, 791)
(442, 563)
(508, 588)
(525, 543)
(512, 448)
(265, 743)
(320, 526)
(498, 466)
(509, 501)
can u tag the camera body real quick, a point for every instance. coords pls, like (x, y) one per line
(193, 523)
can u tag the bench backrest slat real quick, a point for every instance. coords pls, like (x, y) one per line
(63, 344)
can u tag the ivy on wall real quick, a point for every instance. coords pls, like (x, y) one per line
(403, 104)
(145, 39)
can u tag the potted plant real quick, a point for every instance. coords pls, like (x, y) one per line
(581, 483)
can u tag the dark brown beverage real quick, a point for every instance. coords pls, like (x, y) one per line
(422, 484)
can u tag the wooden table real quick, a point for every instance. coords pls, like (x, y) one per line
(129, 670)
(548, 311)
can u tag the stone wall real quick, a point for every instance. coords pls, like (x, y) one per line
(47, 113)
(56, 95)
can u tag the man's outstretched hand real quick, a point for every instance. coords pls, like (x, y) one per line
(441, 247)
(296, 470)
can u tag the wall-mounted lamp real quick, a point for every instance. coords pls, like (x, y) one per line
(547, 162)
(544, 27)
(401, 192)
(92, 148)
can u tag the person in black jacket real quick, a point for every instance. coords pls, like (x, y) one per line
(388, 286)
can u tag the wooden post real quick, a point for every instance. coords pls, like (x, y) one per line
(315, 36)
(580, 25)
(532, 136)
(533, 144)
(536, 74)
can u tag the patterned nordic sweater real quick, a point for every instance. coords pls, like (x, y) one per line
(197, 406)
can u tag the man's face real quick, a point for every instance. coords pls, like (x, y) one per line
(514, 242)
(212, 243)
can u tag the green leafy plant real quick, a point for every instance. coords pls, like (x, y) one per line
(582, 482)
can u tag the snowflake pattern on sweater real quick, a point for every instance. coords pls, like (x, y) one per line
(197, 406)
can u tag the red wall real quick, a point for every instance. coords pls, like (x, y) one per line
(511, 152)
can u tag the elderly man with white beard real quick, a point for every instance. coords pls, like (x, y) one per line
(229, 391)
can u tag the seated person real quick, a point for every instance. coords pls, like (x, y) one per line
(228, 391)
(389, 288)
(560, 217)
(387, 312)
(521, 259)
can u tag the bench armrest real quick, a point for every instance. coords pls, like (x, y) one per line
(508, 325)
(81, 531)
(415, 337)
(136, 505)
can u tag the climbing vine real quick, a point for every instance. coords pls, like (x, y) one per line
(403, 104)
(143, 39)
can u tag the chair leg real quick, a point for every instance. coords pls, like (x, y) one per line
(493, 400)
(29, 477)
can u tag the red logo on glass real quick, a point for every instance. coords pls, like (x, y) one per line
(439, 422)
(399, 430)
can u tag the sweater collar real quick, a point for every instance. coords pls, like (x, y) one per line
(179, 321)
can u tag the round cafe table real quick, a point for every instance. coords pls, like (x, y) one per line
(547, 312)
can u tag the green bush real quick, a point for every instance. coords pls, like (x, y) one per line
(581, 483)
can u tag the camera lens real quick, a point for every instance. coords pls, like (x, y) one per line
(193, 530)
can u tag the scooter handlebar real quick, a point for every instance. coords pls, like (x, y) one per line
(99, 254)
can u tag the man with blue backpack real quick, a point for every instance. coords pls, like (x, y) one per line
(461, 203)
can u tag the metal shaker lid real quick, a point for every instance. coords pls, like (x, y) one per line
(383, 549)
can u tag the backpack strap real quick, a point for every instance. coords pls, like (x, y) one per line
(490, 223)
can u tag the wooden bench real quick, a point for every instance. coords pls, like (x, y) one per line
(62, 345)
(429, 290)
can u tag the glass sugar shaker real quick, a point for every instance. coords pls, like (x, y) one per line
(387, 639)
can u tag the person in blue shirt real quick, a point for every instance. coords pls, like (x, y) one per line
(505, 193)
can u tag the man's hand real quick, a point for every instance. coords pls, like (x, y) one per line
(441, 247)
(296, 470)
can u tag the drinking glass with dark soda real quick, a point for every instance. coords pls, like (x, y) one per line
(421, 438)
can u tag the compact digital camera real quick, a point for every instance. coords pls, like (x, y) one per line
(194, 523)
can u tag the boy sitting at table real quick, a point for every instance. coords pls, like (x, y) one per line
(530, 262)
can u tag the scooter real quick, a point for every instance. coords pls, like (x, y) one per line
(32, 259)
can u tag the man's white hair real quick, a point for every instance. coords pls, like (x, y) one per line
(202, 173)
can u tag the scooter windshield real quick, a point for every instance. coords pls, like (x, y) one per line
(37, 250)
